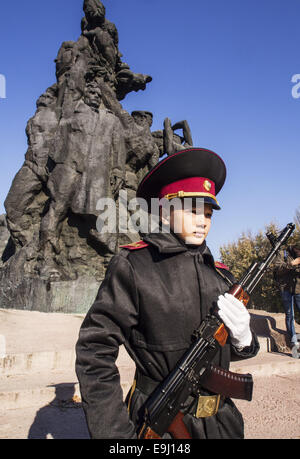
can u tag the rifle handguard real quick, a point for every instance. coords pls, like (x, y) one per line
(240, 294)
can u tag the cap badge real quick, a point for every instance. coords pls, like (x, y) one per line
(207, 185)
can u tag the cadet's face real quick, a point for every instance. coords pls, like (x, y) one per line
(192, 223)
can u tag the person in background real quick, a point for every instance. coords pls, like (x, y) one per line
(287, 274)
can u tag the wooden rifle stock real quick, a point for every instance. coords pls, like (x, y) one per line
(177, 429)
(147, 433)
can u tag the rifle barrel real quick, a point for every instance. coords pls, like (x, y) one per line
(283, 237)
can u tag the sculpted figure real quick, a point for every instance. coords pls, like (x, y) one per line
(174, 142)
(72, 63)
(128, 81)
(82, 146)
(103, 37)
(90, 164)
(65, 58)
(141, 148)
(158, 137)
(34, 173)
(168, 142)
(102, 33)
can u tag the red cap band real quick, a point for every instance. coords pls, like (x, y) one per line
(189, 185)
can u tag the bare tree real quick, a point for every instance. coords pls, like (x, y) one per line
(297, 218)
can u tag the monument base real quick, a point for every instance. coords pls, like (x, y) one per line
(34, 294)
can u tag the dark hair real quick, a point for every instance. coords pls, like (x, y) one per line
(294, 251)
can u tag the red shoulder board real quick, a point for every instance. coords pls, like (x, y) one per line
(221, 265)
(135, 245)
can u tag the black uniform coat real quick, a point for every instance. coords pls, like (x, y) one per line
(151, 301)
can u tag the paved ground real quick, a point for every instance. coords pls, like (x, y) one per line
(39, 391)
(274, 412)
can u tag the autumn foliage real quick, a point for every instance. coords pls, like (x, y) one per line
(239, 255)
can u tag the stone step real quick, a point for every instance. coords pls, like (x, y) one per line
(15, 364)
(265, 343)
(28, 363)
(32, 379)
(24, 363)
(23, 391)
(267, 364)
(41, 389)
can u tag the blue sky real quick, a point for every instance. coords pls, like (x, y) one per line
(225, 66)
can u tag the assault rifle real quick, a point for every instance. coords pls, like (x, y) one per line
(194, 371)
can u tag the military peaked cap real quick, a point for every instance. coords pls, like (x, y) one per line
(194, 172)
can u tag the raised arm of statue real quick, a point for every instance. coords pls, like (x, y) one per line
(187, 135)
(173, 142)
(168, 137)
(89, 33)
(111, 103)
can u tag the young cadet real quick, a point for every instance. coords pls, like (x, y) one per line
(155, 294)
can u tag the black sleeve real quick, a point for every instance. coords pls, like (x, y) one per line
(248, 351)
(107, 325)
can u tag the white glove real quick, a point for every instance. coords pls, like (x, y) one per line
(236, 318)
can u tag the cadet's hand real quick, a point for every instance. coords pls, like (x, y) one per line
(236, 318)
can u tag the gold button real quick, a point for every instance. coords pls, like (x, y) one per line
(207, 185)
